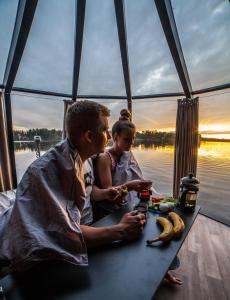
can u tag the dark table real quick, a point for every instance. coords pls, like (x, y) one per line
(121, 271)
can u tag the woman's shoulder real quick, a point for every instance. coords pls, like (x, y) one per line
(103, 158)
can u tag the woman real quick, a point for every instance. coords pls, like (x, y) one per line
(117, 166)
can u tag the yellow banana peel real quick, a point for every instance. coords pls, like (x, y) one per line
(166, 234)
(170, 229)
(178, 224)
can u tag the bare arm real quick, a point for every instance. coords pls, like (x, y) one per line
(103, 171)
(138, 185)
(129, 228)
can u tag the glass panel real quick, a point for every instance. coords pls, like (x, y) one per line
(155, 114)
(47, 62)
(151, 65)
(101, 68)
(214, 155)
(203, 28)
(34, 115)
(8, 11)
(154, 150)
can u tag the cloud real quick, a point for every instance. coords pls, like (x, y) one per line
(47, 63)
(37, 111)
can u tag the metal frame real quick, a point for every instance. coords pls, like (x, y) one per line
(78, 39)
(164, 95)
(121, 27)
(168, 23)
(10, 136)
(24, 18)
(23, 22)
(212, 89)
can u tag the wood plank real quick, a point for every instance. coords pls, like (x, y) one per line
(205, 261)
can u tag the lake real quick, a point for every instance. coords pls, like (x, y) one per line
(157, 164)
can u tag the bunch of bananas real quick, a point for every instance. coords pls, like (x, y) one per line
(172, 227)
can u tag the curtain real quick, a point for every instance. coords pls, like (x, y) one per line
(6, 182)
(67, 103)
(186, 141)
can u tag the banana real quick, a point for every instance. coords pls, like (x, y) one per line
(178, 224)
(166, 234)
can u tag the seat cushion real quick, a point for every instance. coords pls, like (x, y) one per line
(6, 200)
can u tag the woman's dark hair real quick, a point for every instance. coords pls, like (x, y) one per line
(123, 123)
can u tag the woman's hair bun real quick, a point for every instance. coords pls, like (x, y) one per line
(125, 115)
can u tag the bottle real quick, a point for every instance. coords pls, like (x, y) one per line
(188, 193)
(144, 195)
(144, 198)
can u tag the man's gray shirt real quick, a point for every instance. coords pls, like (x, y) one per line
(43, 223)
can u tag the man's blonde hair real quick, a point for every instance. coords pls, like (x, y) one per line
(84, 115)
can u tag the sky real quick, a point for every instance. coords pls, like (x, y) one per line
(47, 61)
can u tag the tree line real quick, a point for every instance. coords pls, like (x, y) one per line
(44, 133)
(156, 136)
(149, 136)
(56, 135)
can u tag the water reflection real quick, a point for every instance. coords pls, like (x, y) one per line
(31, 147)
(154, 147)
(207, 148)
(218, 150)
(156, 162)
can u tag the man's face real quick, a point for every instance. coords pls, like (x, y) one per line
(102, 135)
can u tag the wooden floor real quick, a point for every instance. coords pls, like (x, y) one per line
(205, 264)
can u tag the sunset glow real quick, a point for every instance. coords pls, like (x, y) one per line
(217, 150)
(214, 128)
(225, 136)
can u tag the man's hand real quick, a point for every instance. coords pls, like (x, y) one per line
(132, 225)
(129, 228)
(138, 185)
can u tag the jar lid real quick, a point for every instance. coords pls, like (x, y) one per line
(190, 179)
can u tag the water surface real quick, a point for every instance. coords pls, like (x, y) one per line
(156, 162)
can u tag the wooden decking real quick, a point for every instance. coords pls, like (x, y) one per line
(205, 264)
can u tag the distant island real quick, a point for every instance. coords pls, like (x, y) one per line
(147, 136)
(214, 139)
(154, 136)
(48, 135)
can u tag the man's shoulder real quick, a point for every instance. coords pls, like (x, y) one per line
(57, 152)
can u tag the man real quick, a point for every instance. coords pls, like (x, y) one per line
(44, 223)
(95, 194)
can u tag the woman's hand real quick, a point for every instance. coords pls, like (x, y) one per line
(116, 195)
(138, 185)
(112, 194)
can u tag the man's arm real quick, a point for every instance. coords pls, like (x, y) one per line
(129, 228)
